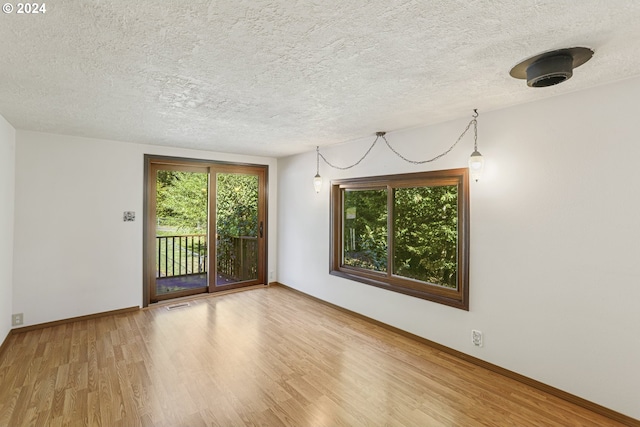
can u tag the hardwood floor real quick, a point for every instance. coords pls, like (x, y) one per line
(266, 357)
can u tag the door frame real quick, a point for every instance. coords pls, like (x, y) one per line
(148, 258)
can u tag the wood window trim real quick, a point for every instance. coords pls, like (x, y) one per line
(458, 298)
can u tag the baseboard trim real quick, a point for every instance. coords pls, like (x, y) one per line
(571, 398)
(74, 319)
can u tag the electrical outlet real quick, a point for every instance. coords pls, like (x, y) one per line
(271, 275)
(17, 319)
(477, 338)
(128, 216)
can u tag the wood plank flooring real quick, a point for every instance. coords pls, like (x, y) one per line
(268, 357)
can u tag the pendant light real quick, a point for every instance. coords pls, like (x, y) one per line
(317, 180)
(476, 162)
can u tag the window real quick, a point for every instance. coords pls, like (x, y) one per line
(406, 233)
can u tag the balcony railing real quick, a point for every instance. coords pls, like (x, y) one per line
(238, 257)
(181, 255)
(187, 255)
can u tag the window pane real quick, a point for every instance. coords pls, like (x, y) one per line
(365, 229)
(426, 234)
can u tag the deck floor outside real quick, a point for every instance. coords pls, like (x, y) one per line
(167, 285)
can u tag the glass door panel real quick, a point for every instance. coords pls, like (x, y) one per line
(181, 224)
(237, 228)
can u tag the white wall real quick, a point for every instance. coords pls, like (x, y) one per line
(554, 278)
(7, 181)
(73, 253)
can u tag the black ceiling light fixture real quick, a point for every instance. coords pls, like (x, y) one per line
(551, 68)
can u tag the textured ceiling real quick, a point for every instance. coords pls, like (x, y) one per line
(277, 77)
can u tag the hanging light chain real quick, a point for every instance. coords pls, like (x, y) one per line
(473, 122)
(353, 165)
(475, 130)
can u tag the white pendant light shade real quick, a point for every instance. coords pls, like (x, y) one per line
(317, 182)
(476, 165)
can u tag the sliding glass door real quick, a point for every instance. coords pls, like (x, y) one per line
(204, 227)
